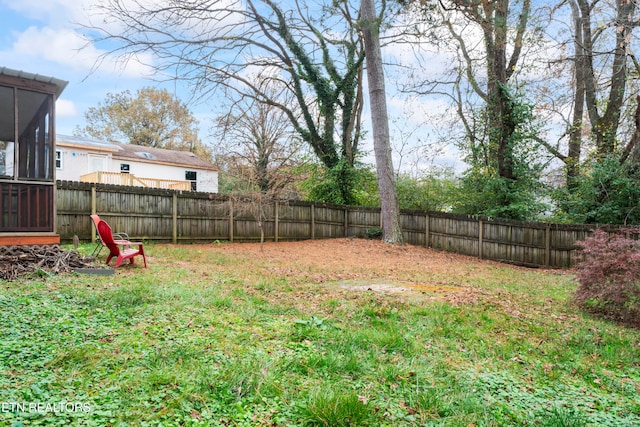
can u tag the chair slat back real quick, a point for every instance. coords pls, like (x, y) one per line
(96, 220)
(106, 235)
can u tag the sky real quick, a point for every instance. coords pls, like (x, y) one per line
(45, 37)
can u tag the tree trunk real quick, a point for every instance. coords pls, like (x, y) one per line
(499, 103)
(632, 150)
(391, 231)
(605, 125)
(572, 160)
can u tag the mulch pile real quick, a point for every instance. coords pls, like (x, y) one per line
(16, 261)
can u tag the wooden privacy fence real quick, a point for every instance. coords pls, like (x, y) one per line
(185, 216)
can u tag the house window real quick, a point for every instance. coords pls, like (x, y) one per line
(124, 168)
(58, 159)
(191, 176)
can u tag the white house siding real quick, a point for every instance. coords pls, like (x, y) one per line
(206, 181)
(77, 157)
(75, 163)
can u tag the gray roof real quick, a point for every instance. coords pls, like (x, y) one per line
(86, 142)
(160, 155)
(59, 84)
(140, 153)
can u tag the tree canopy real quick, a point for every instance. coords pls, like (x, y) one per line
(312, 51)
(152, 117)
(540, 94)
(538, 90)
(257, 148)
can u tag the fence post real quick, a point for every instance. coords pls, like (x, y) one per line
(427, 232)
(547, 246)
(275, 227)
(231, 220)
(313, 221)
(480, 237)
(346, 221)
(174, 212)
(510, 243)
(93, 210)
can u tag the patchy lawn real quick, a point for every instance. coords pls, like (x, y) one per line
(330, 333)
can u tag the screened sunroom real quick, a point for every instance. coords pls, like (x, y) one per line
(27, 158)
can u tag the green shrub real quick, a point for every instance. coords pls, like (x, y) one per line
(373, 233)
(606, 193)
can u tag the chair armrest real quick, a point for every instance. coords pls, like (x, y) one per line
(127, 243)
(120, 236)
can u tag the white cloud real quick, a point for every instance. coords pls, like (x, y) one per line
(59, 46)
(67, 48)
(65, 108)
(54, 36)
(188, 20)
(57, 13)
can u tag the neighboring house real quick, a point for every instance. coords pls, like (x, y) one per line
(27, 163)
(86, 160)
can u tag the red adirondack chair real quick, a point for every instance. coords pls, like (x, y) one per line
(119, 237)
(121, 254)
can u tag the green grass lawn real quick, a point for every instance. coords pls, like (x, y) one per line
(206, 337)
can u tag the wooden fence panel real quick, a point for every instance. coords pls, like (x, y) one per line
(360, 220)
(73, 205)
(204, 208)
(562, 244)
(201, 229)
(560, 259)
(455, 226)
(133, 204)
(449, 243)
(517, 243)
(183, 216)
(294, 211)
(413, 224)
(294, 231)
(455, 234)
(148, 227)
(294, 221)
(244, 226)
(200, 218)
(329, 222)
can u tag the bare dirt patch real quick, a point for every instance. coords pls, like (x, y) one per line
(355, 255)
(401, 287)
(362, 265)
